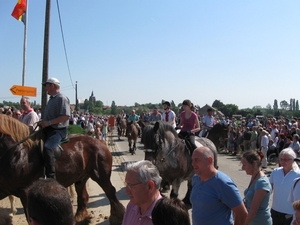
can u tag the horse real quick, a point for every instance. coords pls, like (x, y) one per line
(123, 126)
(132, 135)
(217, 132)
(83, 157)
(170, 155)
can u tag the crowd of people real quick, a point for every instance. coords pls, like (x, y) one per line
(215, 198)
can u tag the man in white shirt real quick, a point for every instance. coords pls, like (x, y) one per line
(264, 148)
(29, 116)
(208, 122)
(169, 115)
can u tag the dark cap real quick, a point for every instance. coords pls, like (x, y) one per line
(167, 103)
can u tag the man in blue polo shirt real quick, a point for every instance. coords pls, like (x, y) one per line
(214, 195)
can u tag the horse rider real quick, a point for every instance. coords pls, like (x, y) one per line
(189, 124)
(134, 118)
(208, 123)
(55, 120)
(169, 115)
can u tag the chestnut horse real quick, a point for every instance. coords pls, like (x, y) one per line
(83, 157)
(132, 135)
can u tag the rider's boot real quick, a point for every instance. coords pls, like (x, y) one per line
(49, 163)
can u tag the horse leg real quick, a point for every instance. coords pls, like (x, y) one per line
(133, 148)
(117, 210)
(175, 188)
(129, 144)
(12, 205)
(186, 199)
(165, 186)
(71, 192)
(82, 201)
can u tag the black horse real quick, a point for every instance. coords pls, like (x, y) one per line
(169, 153)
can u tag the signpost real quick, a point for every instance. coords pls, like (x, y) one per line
(111, 124)
(23, 90)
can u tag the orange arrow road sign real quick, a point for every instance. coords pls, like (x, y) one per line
(23, 90)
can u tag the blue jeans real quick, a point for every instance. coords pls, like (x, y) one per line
(53, 137)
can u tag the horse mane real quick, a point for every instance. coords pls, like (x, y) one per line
(164, 127)
(15, 129)
(147, 135)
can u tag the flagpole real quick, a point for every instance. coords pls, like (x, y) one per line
(25, 45)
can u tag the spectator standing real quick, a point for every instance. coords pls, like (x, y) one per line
(49, 203)
(214, 195)
(253, 139)
(257, 195)
(142, 182)
(282, 179)
(295, 195)
(104, 130)
(90, 128)
(247, 137)
(28, 116)
(98, 132)
(170, 212)
(295, 144)
(264, 148)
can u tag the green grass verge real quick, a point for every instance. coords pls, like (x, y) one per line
(75, 129)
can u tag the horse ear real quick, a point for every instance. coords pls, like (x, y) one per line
(156, 126)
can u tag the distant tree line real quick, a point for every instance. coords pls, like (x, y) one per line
(286, 109)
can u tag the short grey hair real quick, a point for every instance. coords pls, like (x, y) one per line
(292, 155)
(27, 99)
(145, 171)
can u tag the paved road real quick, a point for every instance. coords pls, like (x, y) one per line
(98, 203)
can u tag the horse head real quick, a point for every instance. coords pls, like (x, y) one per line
(150, 146)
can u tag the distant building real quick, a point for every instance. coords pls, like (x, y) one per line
(92, 98)
(203, 111)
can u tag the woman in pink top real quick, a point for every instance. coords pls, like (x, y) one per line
(189, 124)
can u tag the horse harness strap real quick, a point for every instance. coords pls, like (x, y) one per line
(172, 149)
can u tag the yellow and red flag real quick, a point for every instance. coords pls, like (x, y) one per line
(19, 10)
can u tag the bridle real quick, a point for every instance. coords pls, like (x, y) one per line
(158, 141)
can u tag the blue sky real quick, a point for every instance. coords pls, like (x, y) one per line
(239, 52)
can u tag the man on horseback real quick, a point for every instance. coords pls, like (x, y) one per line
(55, 122)
(169, 115)
(208, 123)
(134, 118)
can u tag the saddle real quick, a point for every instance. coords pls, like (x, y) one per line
(58, 149)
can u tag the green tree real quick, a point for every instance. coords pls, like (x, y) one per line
(275, 106)
(297, 106)
(284, 105)
(218, 104)
(113, 108)
(230, 109)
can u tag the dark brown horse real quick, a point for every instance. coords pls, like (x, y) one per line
(218, 133)
(169, 153)
(83, 157)
(132, 135)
